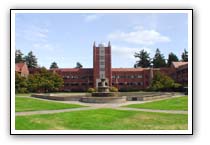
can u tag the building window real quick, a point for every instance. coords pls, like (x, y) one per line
(102, 66)
(102, 63)
(74, 84)
(102, 51)
(75, 77)
(135, 83)
(83, 77)
(139, 76)
(140, 83)
(102, 69)
(102, 57)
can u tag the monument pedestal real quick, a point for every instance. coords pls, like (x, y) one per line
(103, 91)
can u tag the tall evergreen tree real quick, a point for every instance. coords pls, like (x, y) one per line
(185, 55)
(78, 65)
(31, 60)
(54, 65)
(158, 60)
(144, 59)
(172, 57)
(18, 56)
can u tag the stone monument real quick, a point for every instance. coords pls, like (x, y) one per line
(103, 90)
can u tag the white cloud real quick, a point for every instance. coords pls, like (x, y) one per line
(139, 36)
(92, 17)
(37, 36)
(126, 55)
(43, 46)
(33, 33)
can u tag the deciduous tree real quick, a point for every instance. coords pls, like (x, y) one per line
(20, 84)
(44, 81)
(163, 82)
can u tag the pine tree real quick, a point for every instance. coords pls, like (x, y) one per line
(18, 56)
(54, 65)
(78, 65)
(158, 60)
(144, 59)
(172, 57)
(31, 60)
(185, 55)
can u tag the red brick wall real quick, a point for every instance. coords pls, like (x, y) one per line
(76, 79)
(108, 66)
(132, 80)
(24, 70)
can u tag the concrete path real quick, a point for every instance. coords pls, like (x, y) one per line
(91, 108)
(117, 106)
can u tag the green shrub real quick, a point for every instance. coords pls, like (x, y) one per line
(21, 90)
(162, 82)
(91, 90)
(20, 84)
(113, 89)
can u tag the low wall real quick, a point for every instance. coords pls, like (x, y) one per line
(58, 98)
(88, 99)
(149, 97)
(103, 99)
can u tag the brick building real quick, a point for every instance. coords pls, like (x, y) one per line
(22, 69)
(180, 72)
(80, 79)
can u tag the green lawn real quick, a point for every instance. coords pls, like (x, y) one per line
(31, 104)
(180, 103)
(103, 119)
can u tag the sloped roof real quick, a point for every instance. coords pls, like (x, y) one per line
(128, 69)
(71, 69)
(19, 66)
(178, 64)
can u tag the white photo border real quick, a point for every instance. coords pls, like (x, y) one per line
(13, 131)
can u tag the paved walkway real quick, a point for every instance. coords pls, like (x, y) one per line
(117, 106)
(91, 108)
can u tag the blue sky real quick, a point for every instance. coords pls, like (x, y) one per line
(67, 38)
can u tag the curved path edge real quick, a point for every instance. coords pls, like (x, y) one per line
(91, 108)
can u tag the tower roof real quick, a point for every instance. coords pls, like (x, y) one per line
(101, 45)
